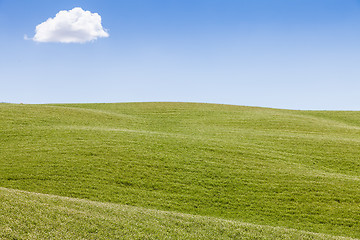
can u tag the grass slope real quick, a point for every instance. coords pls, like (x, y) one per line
(26, 215)
(292, 169)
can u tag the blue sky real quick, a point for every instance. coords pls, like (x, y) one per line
(298, 54)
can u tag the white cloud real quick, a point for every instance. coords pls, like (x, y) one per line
(73, 26)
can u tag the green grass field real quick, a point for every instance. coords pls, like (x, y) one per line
(178, 170)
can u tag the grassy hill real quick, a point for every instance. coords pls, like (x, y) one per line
(26, 215)
(224, 165)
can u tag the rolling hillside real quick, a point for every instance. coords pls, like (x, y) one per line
(26, 215)
(155, 169)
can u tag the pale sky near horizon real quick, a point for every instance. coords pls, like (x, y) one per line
(299, 54)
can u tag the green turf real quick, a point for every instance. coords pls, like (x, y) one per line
(25, 215)
(282, 168)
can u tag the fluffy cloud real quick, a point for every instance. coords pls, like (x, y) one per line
(73, 26)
